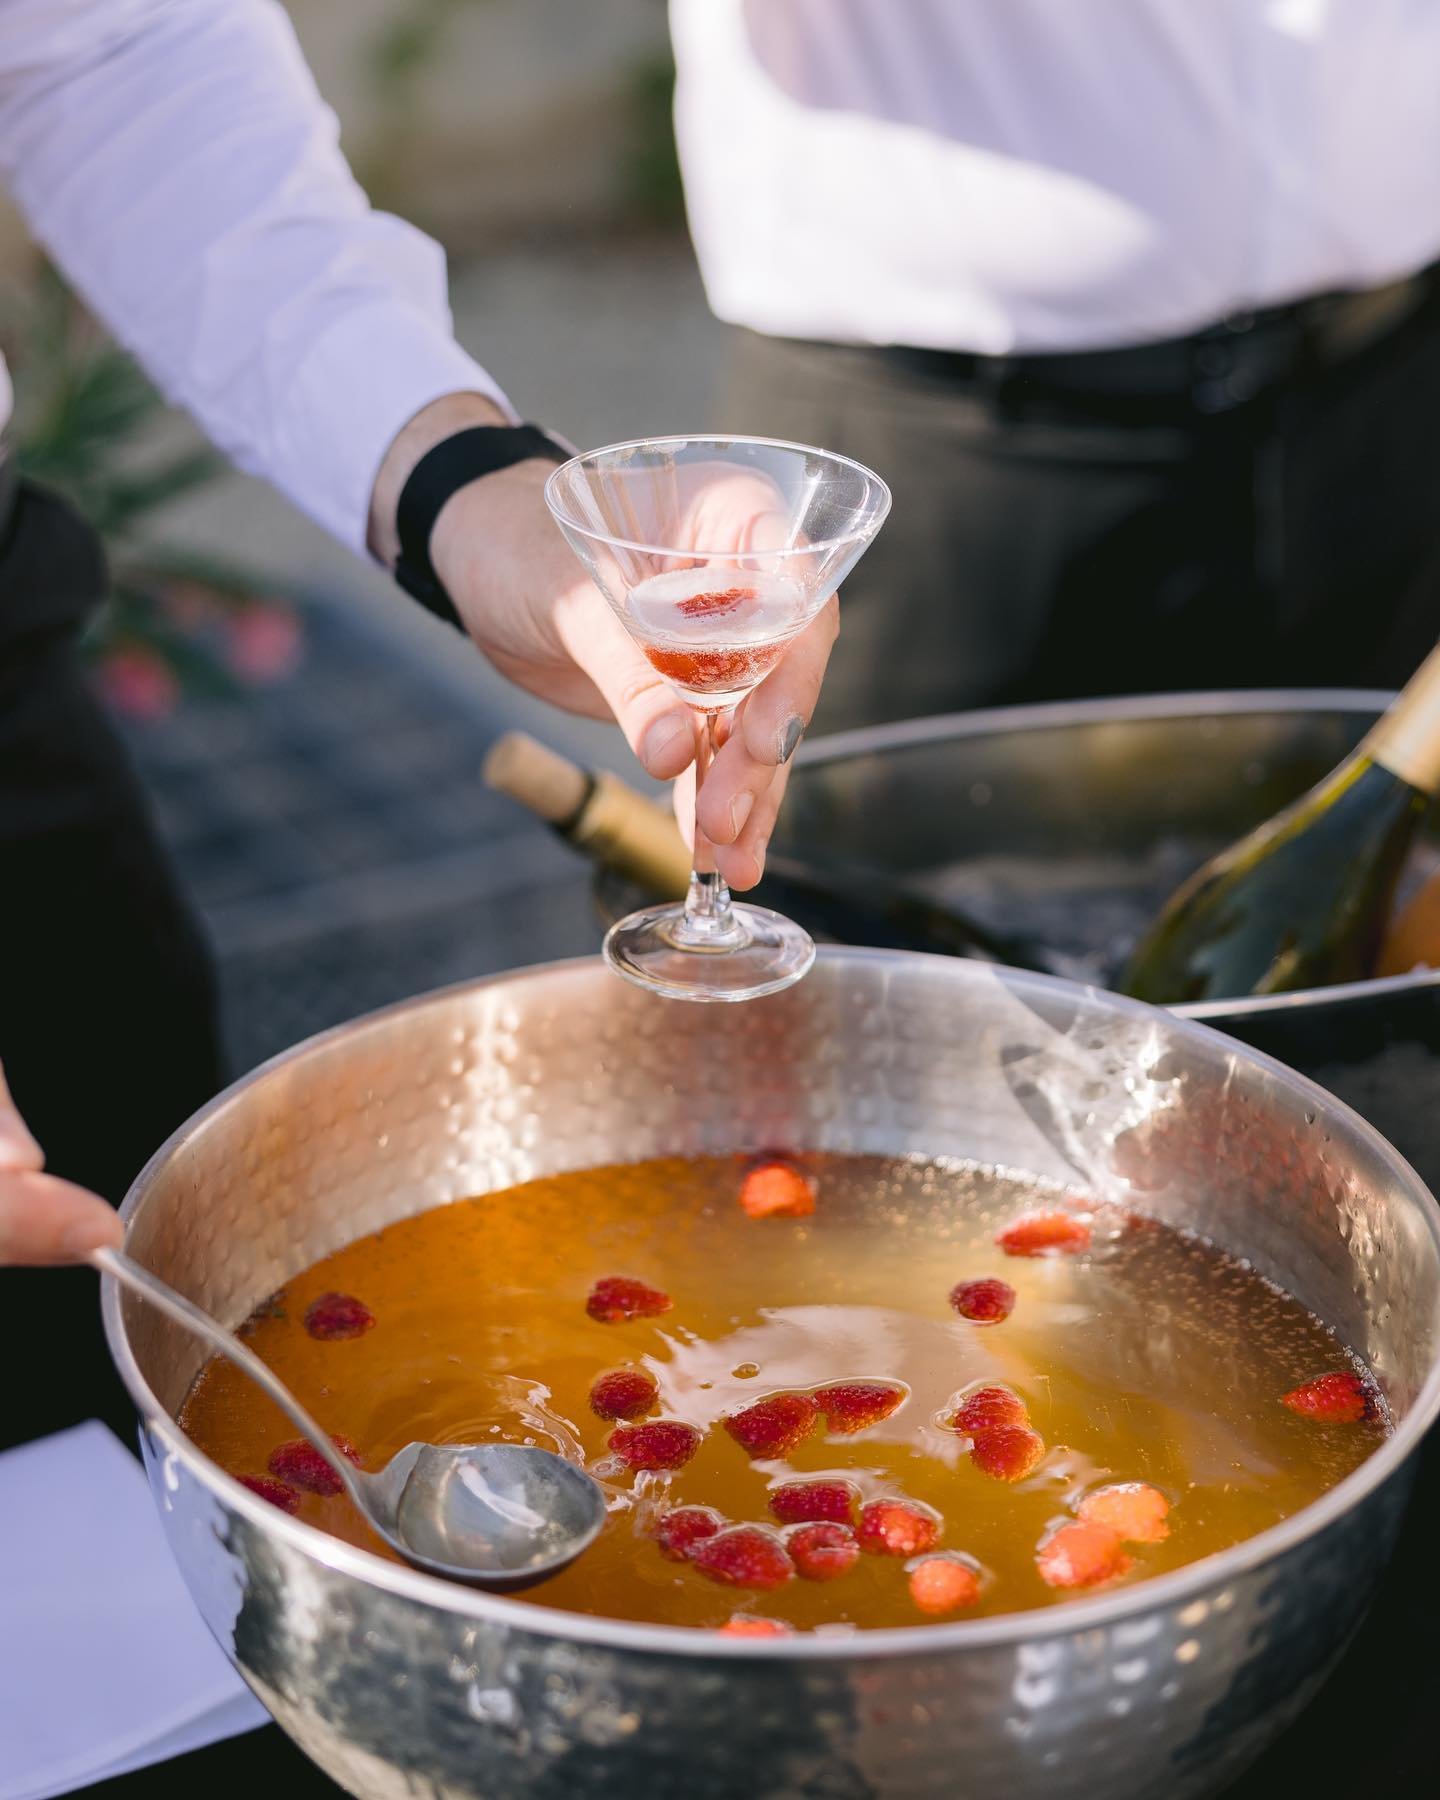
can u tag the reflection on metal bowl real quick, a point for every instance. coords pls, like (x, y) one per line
(399, 1684)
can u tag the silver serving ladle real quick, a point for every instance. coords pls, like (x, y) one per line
(494, 1515)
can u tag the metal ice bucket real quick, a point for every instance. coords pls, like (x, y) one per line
(1073, 822)
(399, 1684)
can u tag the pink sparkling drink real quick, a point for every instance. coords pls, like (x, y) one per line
(715, 633)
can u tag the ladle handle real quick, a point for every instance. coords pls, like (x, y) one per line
(150, 1287)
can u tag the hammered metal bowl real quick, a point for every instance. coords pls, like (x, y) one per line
(399, 1684)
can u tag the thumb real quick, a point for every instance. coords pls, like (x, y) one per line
(46, 1221)
(658, 725)
(18, 1150)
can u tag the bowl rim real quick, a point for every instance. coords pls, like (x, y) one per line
(1063, 1619)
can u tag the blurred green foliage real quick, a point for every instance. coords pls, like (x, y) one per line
(85, 425)
(651, 190)
(402, 52)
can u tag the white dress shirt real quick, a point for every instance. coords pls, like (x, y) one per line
(1049, 175)
(174, 158)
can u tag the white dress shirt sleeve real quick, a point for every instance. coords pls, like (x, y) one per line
(175, 159)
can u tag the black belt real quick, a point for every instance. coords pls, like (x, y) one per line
(1210, 371)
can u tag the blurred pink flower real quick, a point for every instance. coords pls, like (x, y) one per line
(263, 643)
(138, 683)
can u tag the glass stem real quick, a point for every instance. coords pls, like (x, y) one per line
(709, 921)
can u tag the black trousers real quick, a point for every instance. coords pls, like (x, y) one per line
(108, 1022)
(1050, 544)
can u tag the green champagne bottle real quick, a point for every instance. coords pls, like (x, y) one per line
(1303, 900)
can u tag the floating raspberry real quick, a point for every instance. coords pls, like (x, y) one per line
(303, 1466)
(1007, 1452)
(704, 606)
(1338, 1399)
(657, 1444)
(623, 1394)
(740, 1626)
(821, 1552)
(851, 1406)
(1081, 1554)
(618, 1297)
(1134, 1510)
(942, 1584)
(777, 1190)
(744, 1556)
(276, 1492)
(338, 1316)
(988, 1407)
(1045, 1234)
(984, 1302)
(681, 1529)
(775, 1426)
(898, 1528)
(796, 1502)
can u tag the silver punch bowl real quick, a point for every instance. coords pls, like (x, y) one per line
(397, 1683)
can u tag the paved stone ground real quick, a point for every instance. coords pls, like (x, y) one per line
(334, 829)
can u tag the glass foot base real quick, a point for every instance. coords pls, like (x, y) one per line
(760, 955)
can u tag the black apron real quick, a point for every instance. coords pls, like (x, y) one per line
(108, 1024)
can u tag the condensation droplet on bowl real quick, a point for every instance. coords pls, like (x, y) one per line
(1188, 1651)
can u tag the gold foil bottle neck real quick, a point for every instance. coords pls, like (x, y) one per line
(1407, 740)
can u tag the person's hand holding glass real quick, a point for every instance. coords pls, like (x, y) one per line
(715, 554)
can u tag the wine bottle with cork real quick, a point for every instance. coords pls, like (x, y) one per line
(1303, 900)
(640, 841)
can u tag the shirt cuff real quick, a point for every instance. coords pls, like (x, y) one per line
(362, 382)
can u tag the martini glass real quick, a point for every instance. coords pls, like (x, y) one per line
(714, 553)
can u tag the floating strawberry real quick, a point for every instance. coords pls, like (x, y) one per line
(302, 1465)
(704, 606)
(1007, 1452)
(1341, 1398)
(944, 1583)
(777, 1190)
(744, 1556)
(796, 1502)
(851, 1406)
(774, 1426)
(616, 1298)
(623, 1394)
(1045, 1234)
(656, 1444)
(822, 1552)
(898, 1528)
(1134, 1510)
(682, 1528)
(338, 1316)
(1081, 1554)
(740, 1626)
(983, 1302)
(276, 1492)
(988, 1407)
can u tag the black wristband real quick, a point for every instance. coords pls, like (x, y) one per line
(454, 463)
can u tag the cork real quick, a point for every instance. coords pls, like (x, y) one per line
(598, 813)
(536, 776)
(1407, 740)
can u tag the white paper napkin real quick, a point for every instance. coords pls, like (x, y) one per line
(105, 1664)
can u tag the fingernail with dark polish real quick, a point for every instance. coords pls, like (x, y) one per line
(790, 737)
